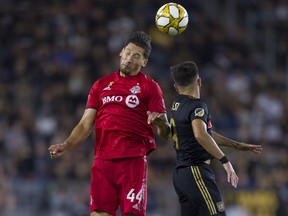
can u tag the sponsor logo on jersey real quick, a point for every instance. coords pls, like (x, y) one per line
(135, 89)
(131, 101)
(113, 98)
(199, 112)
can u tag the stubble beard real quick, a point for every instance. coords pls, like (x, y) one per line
(125, 71)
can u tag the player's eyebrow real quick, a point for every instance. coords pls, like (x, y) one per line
(136, 53)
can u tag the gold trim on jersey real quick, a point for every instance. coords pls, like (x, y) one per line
(203, 189)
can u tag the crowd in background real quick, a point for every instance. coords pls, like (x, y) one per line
(52, 51)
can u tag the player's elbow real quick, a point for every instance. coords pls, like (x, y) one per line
(200, 137)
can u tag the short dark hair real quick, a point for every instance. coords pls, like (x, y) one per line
(141, 39)
(184, 73)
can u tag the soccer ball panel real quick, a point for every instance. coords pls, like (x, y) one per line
(172, 31)
(183, 22)
(163, 21)
(171, 19)
(174, 11)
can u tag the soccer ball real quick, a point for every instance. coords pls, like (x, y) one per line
(172, 19)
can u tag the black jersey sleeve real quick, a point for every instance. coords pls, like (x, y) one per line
(199, 111)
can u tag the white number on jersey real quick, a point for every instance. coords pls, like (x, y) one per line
(131, 195)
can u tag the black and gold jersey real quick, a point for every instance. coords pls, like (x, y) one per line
(184, 110)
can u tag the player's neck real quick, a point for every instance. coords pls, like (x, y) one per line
(195, 93)
(128, 74)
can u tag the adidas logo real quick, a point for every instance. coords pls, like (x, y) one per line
(135, 206)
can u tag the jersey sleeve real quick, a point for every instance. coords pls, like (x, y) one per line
(156, 99)
(93, 97)
(199, 111)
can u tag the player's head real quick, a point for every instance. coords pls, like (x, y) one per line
(135, 53)
(141, 39)
(184, 73)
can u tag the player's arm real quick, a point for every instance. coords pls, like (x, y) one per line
(160, 121)
(78, 135)
(224, 141)
(207, 142)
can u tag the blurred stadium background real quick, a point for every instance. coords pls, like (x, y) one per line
(52, 51)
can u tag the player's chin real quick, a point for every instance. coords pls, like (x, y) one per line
(125, 70)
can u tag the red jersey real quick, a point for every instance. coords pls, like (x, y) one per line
(122, 103)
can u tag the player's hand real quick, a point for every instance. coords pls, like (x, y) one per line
(57, 150)
(231, 174)
(155, 118)
(249, 147)
(160, 121)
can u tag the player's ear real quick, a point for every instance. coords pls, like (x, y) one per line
(144, 62)
(199, 82)
(175, 87)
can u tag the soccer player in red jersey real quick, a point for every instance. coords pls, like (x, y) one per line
(123, 107)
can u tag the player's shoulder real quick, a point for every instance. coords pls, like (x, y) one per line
(146, 78)
(149, 82)
(190, 101)
(200, 102)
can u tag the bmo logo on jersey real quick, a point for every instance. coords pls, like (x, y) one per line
(131, 101)
(113, 98)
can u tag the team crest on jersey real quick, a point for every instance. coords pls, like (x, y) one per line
(199, 112)
(220, 206)
(132, 101)
(135, 90)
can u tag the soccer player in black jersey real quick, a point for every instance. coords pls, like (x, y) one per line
(192, 134)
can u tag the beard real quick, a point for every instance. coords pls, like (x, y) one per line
(125, 69)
